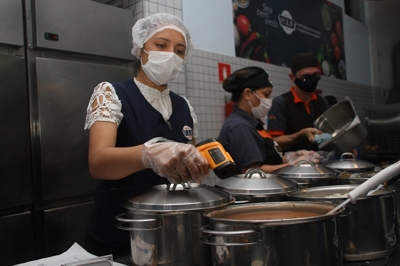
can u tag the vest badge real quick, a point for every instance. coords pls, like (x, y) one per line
(187, 132)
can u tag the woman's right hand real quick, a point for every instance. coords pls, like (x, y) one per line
(178, 162)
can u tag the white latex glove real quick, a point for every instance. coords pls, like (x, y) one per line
(178, 162)
(296, 156)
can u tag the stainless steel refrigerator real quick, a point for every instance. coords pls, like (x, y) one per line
(52, 54)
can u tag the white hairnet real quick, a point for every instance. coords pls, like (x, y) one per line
(145, 28)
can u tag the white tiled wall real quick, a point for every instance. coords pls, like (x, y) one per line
(163, 6)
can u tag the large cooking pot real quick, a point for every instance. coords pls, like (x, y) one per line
(274, 233)
(342, 122)
(164, 224)
(348, 163)
(257, 186)
(308, 174)
(370, 231)
(353, 171)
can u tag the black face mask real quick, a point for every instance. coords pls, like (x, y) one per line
(307, 83)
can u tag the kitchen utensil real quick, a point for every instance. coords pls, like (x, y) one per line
(370, 228)
(348, 163)
(385, 184)
(274, 233)
(218, 159)
(164, 223)
(369, 185)
(342, 122)
(337, 117)
(257, 186)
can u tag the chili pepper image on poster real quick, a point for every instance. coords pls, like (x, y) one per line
(273, 31)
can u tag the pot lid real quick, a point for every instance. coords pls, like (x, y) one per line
(350, 164)
(306, 169)
(332, 193)
(273, 213)
(180, 197)
(255, 182)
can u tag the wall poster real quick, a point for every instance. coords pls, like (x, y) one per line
(273, 31)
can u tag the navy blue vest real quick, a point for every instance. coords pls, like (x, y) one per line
(141, 123)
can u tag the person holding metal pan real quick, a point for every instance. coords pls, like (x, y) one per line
(141, 133)
(242, 133)
(290, 120)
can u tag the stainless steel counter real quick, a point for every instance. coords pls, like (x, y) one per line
(393, 260)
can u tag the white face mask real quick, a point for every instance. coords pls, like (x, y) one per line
(261, 110)
(162, 67)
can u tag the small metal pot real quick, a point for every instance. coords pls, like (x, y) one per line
(343, 123)
(347, 139)
(348, 163)
(257, 186)
(164, 224)
(274, 233)
(307, 174)
(352, 171)
(370, 231)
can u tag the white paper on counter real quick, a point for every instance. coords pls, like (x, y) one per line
(74, 254)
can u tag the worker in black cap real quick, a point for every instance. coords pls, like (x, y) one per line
(291, 118)
(242, 133)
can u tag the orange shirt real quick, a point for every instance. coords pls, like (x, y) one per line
(298, 100)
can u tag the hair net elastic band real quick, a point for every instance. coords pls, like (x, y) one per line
(146, 27)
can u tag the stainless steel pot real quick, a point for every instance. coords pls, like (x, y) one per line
(348, 163)
(164, 224)
(257, 186)
(352, 171)
(371, 229)
(274, 233)
(343, 123)
(337, 117)
(307, 174)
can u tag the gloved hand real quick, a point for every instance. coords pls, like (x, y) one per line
(310, 132)
(326, 156)
(296, 156)
(321, 138)
(178, 162)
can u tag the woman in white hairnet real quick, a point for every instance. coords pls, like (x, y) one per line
(141, 133)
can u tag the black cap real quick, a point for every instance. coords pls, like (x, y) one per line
(248, 77)
(303, 60)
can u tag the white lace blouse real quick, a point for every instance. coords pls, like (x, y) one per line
(105, 106)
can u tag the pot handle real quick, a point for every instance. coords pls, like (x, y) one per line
(137, 224)
(249, 173)
(305, 161)
(347, 154)
(223, 238)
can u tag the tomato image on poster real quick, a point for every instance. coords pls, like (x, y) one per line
(273, 31)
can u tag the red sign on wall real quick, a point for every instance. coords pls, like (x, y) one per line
(224, 70)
